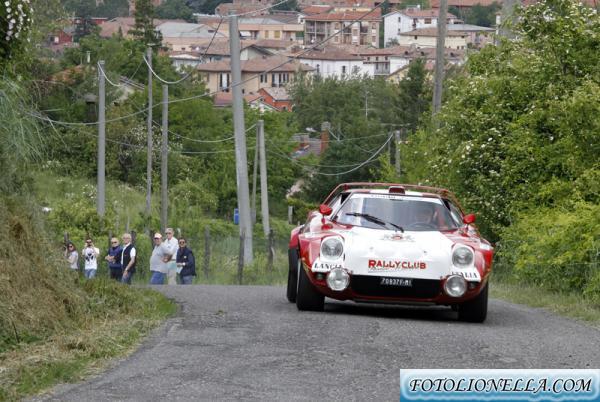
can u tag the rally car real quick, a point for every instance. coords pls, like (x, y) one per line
(394, 244)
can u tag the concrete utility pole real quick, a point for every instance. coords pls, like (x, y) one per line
(264, 192)
(398, 139)
(241, 162)
(507, 14)
(100, 207)
(164, 159)
(254, 172)
(439, 59)
(149, 157)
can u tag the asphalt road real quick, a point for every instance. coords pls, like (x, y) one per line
(249, 343)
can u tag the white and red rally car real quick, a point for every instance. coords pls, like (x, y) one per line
(390, 243)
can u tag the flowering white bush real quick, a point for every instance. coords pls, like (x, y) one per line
(15, 20)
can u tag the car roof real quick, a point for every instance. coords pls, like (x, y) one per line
(396, 188)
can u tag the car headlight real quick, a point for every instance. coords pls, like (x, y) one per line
(462, 257)
(332, 248)
(338, 279)
(455, 286)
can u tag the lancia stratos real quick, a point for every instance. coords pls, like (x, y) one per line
(394, 244)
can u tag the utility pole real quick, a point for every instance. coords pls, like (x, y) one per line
(264, 192)
(100, 207)
(164, 159)
(439, 60)
(254, 168)
(398, 139)
(241, 162)
(507, 17)
(149, 157)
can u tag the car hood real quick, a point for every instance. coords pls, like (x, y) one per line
(426, 255)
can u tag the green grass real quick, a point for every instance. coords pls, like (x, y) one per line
(111, 329)
(572, 305)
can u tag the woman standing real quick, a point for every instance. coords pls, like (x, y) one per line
(72, 256)
(186, 264)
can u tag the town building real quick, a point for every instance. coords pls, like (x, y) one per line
(276, 97)
(354, 27)
(409, 19)
(184, 35)
(257, 73)
(427, 37)
(332, 61)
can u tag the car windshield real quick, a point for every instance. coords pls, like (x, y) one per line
(392, 211)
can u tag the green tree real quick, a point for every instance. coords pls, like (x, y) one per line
(519, 125)
(144, 30)
(175, 9)
(478, 14)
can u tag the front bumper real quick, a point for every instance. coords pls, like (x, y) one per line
(371, 288)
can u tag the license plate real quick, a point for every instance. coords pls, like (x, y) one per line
(399, 282)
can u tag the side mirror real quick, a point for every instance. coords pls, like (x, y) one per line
(468, 219)
(325, 209)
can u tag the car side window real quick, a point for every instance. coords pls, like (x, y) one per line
(454, 212)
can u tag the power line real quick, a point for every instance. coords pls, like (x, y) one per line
(347, 171)
(106, 76)
(290, 58)
(191, 71)
(260, 9)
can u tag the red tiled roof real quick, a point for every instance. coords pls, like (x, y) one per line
(258, 65)
(430, 32)
(429, 13)
(375, 15)
(329, 53)
(312, 10)
(464, 3)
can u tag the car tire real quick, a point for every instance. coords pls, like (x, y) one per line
(292, 283)
(307, 297)
(475, 310)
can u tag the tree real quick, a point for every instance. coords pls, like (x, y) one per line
(478, 14)
(513, 136)
(175, 9)
(143, 30)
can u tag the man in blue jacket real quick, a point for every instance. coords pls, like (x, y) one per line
(114, 259)
(185, 262)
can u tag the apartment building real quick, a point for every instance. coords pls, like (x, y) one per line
(409, 19)
(280, 71)
(354, 27)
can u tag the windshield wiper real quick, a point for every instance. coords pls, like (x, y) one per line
(375, 220)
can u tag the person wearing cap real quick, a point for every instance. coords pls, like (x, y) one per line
(158, 261)
(172, 244)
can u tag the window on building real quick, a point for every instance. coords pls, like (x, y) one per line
(266, 34)
(277, 34)
(399, 19)
(376, 58)
(427, 20)
(263, 78)
(318, 67)
(416, 37)
(343, 70)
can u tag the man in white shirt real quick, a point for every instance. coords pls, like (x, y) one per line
(158, 261)
(90, 255)
(171, 243)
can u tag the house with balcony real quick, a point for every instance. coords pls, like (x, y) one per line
(280, 70)
(409, 19)
(354, 27)
(427, 38)
(332, 61)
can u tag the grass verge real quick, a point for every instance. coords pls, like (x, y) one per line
(127, 314)
(570, 304)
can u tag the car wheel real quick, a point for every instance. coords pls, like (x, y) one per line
(475, 310)
(307, 297)
(292, 283)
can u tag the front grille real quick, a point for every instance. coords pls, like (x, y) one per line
(371, 286)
